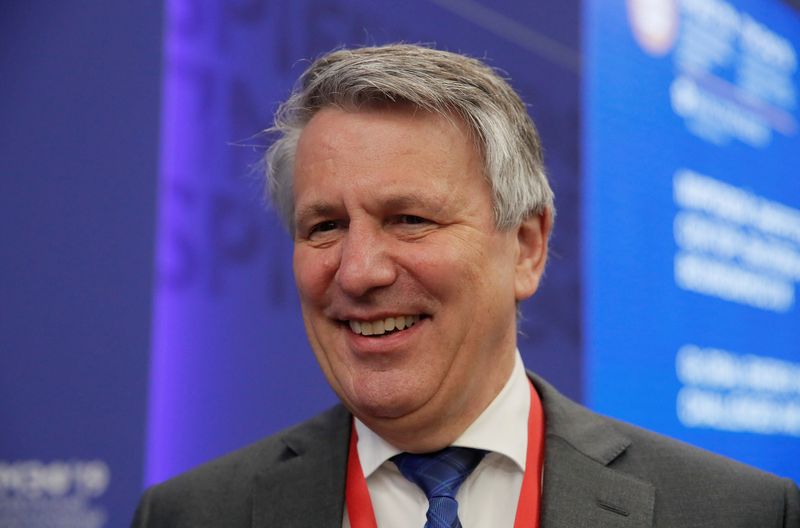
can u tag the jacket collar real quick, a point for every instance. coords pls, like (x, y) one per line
(306, 486)
(581, 488)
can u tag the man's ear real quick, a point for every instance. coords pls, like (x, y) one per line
(532, 237)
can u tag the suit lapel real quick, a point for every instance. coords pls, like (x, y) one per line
(308, 482)
(580, 486)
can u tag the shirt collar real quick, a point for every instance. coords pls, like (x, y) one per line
(501, 428)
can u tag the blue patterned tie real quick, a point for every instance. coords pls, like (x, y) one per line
(440, 475)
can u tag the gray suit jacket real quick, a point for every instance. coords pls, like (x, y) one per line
(598, 473)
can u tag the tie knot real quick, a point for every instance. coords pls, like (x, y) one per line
(439, 474)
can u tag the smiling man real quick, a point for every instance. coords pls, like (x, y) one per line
(408, 288)
(412, 183)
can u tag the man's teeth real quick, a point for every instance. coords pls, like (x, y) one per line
(381, 326)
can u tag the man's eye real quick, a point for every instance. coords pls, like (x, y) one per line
(322, 227)
(411, 219)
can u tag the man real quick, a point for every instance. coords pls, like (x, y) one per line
(413, 185)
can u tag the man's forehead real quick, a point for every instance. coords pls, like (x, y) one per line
(393, 160)
(337, 140)
(381, 117)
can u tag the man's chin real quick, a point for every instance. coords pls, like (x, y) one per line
(382, 411)
(386, 409)
(412, 428)
(389, 397)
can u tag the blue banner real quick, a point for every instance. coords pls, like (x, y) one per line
(693, 222)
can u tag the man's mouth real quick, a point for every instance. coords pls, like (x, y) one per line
(385, 326)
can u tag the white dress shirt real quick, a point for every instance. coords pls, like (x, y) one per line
(490, 494)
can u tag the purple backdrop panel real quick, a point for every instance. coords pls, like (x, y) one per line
(79, 102)
(230, 358)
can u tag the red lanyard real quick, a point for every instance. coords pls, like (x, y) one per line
(359, 505)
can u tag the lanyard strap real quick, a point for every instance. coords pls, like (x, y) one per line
(359, 505)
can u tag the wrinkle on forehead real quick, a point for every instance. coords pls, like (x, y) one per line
(369, 155)
(326, 141)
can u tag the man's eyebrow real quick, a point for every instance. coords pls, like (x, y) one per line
(324, 209)
(316, 209)
(411, 200)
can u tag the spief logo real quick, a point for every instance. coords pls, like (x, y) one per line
(654, 24)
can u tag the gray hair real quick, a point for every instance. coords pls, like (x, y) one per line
(436, 81)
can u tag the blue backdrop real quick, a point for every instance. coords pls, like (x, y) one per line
(79, 107)
(692, 222)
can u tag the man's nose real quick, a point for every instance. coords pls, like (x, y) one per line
(365, 262)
